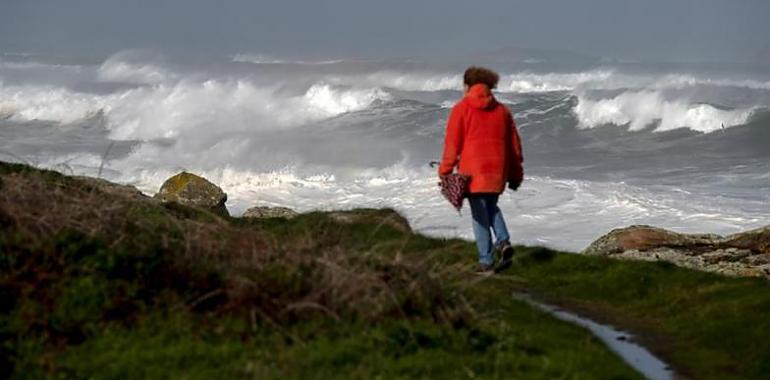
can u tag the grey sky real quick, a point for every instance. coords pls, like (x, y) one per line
(700, 30)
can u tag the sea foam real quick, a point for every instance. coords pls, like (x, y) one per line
(169, 110)
(642, 109)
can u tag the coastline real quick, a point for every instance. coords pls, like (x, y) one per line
(351, 292)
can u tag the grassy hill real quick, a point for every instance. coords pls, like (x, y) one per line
(98, 281)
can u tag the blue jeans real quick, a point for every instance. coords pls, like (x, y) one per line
(487, 216)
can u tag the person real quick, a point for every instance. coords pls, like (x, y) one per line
(482, 142)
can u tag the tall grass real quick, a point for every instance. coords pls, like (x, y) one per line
(98, 281)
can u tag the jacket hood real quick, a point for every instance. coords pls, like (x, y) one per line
(479, 96)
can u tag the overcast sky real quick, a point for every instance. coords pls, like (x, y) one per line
(695, 30)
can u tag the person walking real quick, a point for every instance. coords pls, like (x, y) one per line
(483, 143)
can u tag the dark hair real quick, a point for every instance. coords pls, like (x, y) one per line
(476, 74)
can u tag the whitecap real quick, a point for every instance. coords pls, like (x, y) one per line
(642, 109)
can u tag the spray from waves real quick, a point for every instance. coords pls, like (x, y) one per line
(531, 82)
(48, 103)
(116, 69)
(331, 101)
(138, 67)
(611, 79)
(215, 107)
(33, 65)
(263, 59)
(209, 116)
(641, 109)
(557, 213)
(172, 110)
(679, 81)
(521, 82)
(404, 81)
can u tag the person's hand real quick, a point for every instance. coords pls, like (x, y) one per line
(514, 185)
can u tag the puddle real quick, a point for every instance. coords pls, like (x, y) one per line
(618, 341)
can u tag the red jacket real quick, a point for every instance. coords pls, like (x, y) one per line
(482, 136)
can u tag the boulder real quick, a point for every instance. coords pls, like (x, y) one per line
(107, 187)
(269, 212)
(387, 217)
(757, 240)
(741, 254)
(192, 190)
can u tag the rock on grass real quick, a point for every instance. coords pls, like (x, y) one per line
(192, 190)
(259, 212)
(741, 254)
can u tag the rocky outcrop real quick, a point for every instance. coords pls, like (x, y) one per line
(741, 254)
(192, 190)
(259, 212)
(387, 217)
(125, 191)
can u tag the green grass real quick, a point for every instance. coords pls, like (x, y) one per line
(103, 285)
(708, 326)
(98, 285)
(389, 350)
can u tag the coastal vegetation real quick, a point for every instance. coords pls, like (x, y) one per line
(100, 281)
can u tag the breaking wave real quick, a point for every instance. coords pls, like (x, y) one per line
(115, 69)
(521, 82)
(273, 133)
(530, 82)
(263, 59)
(642, 109)
(38, 65)
(545, 211)
(47, 103)
(685, 80)
(168, 110)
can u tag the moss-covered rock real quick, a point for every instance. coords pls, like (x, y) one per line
(192, 190)
(124, 191)
(386, 217)
(259, 212)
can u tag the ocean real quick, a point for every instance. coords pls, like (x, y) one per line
(606, 144)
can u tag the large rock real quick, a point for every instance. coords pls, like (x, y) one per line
(259, 212)
(191, 190)
(741, 254)
(125, 191)
(386, 217)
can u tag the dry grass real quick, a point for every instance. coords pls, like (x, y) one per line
(97, 281)
(215, 264)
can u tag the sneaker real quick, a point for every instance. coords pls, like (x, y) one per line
(506, 256)
(485, 270)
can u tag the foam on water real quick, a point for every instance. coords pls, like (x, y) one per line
(258, 131)
(687, 80)
(32, 65)
(115, 69)
(168, 104)
(185, 107)
(640, 109)
(513, 82)
(265, 59)
(563, 214)
(34, 102)
(331, 101)
(532, 82)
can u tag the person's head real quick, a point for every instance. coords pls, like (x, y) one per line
(475, 74)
